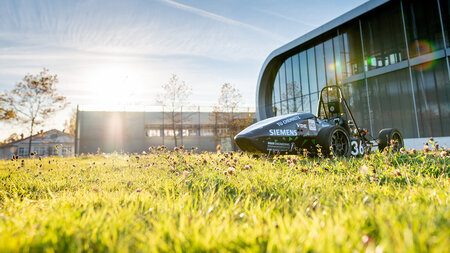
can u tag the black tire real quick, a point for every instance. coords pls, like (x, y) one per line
(334, 139)
(386, 136)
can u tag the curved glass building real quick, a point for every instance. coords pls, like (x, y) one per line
(390, 57)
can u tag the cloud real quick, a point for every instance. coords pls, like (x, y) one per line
(278, 15)
(222, 19)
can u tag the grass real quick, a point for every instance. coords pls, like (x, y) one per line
(182, 202)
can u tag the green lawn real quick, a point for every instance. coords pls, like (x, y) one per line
(187, 203)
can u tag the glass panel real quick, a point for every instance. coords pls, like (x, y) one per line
(276, 109)
(356, 97)
(329, 62)
(297, 82)
(391, 103)
(306, 104)
(337, 58)
(289, 79)
(276, 89)
(445, 11)
(283, 91)
(432, 93)
(298, 104)
(312, 71)
(351, 50)
(320, 65)
(283, 107)
(290, 85)
(314, 102)
(384, 41)
(304, 73)
(296, 73)
(423, 27)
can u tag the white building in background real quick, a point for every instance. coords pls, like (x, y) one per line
(50, 143)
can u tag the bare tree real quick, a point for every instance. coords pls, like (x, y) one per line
(70, 125)
(33, 100)
(226, 114)
(174, 97)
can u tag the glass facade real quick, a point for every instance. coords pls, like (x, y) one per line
(432, 93)
(413, 96)
(383, 36)
(423, 27)
(445, 11)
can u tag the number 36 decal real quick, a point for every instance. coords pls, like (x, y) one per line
(357, 148)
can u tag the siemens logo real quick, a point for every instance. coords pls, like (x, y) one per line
(282, 132)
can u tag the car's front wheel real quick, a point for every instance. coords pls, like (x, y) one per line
(334, 140)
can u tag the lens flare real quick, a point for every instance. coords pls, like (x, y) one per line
(424, 49)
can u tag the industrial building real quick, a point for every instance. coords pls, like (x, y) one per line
(390, 57)
(136, 131)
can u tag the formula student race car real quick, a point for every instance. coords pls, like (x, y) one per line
(333, 132)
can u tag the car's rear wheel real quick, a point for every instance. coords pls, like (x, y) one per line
(390, 137)
(334, 140)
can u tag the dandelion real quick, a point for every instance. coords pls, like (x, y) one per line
(247, 167)
(186, 173)
(373, 179)
(426, 148)
(443, 153)
(231, 170)
(366, 239)
(397, 173)
(218, 148)
(364, 170)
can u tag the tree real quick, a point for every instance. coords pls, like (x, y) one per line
(174, 97)
(33, 100)
(70, 125)
(13, 137)
(226, 114)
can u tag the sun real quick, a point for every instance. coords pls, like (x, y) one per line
(113, 85)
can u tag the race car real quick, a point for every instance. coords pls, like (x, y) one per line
(332, 132)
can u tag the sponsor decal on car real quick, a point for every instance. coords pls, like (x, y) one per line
(282, 132)
(280, 146)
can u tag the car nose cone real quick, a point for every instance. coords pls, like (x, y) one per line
(246, 143)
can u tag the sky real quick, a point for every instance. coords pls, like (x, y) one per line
(112, 53)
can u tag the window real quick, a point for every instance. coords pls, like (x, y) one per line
(66, 150)
(283, 90)
(171, 132)
(356, 97)
(22, 151)
(391, 103)
(350, 50)
(276, 89)
(384, 40)
(40, 151)
(423, 27)
(329, 62)
(153, 132)
(432, 94)
(207, 131)
(320, 65)
(312, 71)
(445, 11)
